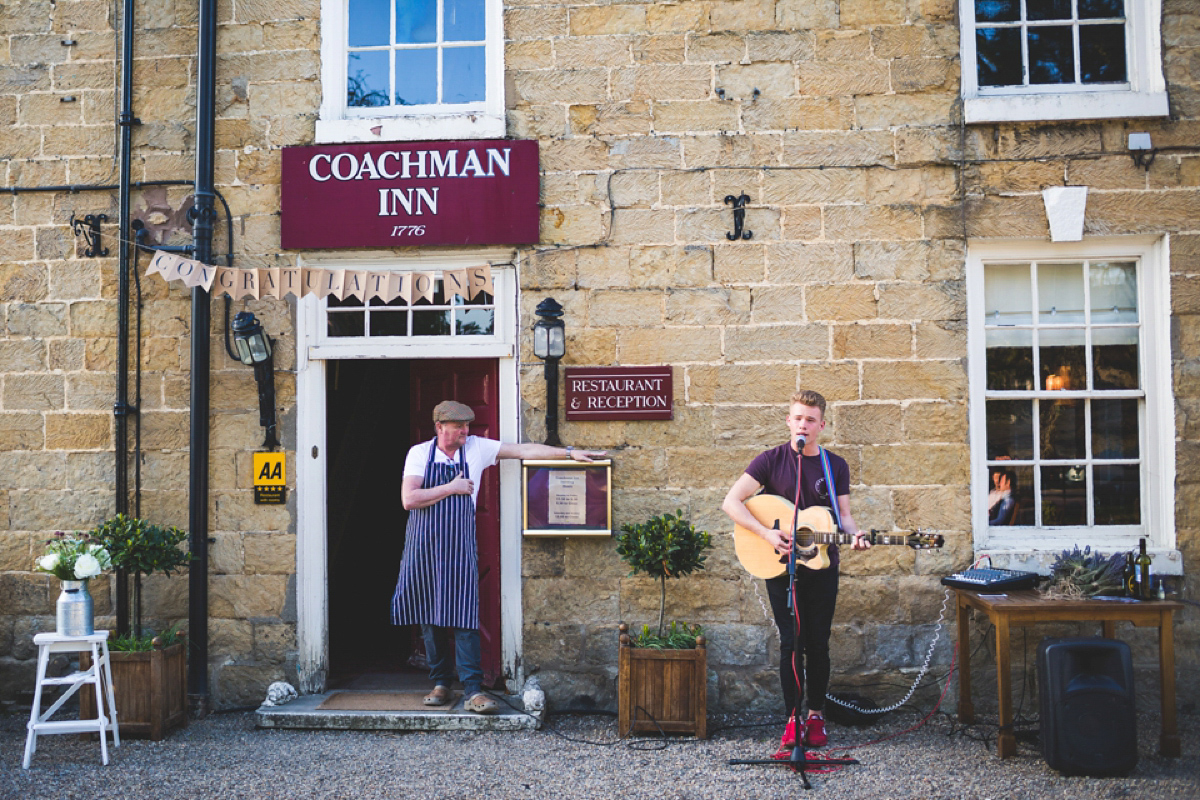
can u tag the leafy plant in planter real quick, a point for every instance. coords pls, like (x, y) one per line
(665, 546)
(140, 548)
(662, 681)
(149, 672)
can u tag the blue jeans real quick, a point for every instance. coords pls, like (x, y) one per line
(467, 656)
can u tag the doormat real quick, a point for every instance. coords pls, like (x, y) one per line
(383, 701)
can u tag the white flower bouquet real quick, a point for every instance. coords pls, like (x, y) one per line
(71, 558)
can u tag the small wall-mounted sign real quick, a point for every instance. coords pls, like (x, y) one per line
(270, 479)
(619, 393)
(568, 498)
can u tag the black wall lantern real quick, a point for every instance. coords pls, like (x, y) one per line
(254, 349)
(549, 344)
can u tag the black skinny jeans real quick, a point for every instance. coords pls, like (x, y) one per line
(816, 597)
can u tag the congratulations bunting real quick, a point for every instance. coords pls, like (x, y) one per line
(341, 283)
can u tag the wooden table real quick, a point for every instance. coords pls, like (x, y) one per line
(1026, 607)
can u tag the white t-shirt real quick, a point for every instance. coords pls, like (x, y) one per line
(481, 453)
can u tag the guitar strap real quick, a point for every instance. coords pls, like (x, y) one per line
(829, 487)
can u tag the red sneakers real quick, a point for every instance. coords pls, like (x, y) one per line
(792, 733)
(814, 731)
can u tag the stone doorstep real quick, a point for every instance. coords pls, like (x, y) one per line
(302, 713)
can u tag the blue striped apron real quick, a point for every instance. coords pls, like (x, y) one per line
(439, 572)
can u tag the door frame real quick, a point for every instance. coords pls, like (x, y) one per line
(312, 587)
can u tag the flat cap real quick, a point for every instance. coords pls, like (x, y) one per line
(452, 411)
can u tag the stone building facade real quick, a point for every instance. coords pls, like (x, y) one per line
(882, 185)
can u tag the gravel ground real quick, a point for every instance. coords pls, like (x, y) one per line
(225, 756)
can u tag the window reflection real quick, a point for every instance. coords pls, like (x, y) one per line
(1064, 495)
(1009, 429)
(1118, 494)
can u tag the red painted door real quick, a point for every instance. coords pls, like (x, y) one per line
(473, 382)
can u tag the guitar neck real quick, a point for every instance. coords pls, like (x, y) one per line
(875, 538)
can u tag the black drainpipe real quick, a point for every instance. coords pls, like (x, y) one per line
(202, 229)
(121, 407)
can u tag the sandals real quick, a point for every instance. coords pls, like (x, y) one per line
(480, 703)
(438, 697)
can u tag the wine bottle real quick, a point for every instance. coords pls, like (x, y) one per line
(1127, 577)
(1142, 563)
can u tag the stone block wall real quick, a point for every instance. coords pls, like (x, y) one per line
(842, 122)
(59, 71)
(839, 118)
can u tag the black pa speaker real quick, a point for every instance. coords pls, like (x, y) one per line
(1089, 726)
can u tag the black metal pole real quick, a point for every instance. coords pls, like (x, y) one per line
(121, 407)
(202, 229)
(552, 402)
(264, 376)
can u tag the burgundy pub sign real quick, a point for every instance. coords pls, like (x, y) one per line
(407, 194)
(619, 393)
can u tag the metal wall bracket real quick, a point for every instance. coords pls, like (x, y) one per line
(89, 228)
(739, 217)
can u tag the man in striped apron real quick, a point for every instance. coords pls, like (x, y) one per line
(438, 587)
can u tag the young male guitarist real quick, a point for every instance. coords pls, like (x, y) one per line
(804, 637)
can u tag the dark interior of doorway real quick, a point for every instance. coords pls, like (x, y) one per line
(367, 436)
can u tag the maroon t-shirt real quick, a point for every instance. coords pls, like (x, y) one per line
(775, 469)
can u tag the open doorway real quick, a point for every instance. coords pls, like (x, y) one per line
(376, 409)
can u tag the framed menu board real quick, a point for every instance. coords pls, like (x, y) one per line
(567, 498)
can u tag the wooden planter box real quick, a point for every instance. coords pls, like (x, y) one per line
(661, 689)
(150, 689)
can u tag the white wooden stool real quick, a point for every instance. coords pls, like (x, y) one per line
(99, 675)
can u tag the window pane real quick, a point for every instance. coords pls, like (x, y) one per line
(1060, 294)
(389, 323)
(1006, 294)
(431, 323)
(1063, 367)
(1118, 494)
(1064, 495)
(1009, 429)
(416, 21)
(1010, 495)
(1114, 292)
(1101, 9)
(1009, 359)
(1102, 53)
(1114, 428)
(1062, 429)
(464, 21)
(1048, 9)
(1115, 358)
(474, 322)
(998, 56)
(1051, 55)
(416, 77)
(463, 79)
(350, 302)
(367, 23)
(997, 10)
(345, 323)
(367, 79)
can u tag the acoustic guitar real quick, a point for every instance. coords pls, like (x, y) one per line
(815, 531)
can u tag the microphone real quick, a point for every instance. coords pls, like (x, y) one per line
(801, 440)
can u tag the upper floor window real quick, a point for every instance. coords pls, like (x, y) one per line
(411, 69)
(1026, 60)
(1070, 389)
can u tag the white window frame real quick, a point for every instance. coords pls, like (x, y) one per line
(338, 122)
(501, 343)
(1145, 95)
(1031, 548)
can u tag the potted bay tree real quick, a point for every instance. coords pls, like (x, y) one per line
(662, 673)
